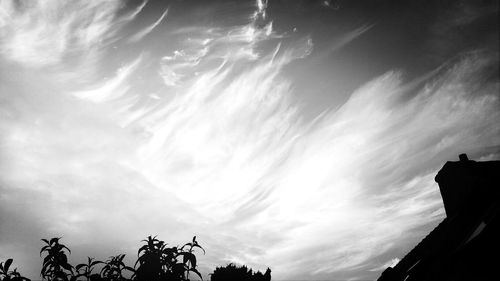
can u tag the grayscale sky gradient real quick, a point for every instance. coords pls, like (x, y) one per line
(299, 135)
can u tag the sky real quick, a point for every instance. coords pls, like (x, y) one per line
(303, 136)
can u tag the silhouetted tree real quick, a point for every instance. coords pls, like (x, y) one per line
(267, 275)
(232, 272)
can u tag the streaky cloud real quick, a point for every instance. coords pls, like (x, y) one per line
(145, 31)
(224, 151)
(112, 89)
(349, 37)
(48, 33)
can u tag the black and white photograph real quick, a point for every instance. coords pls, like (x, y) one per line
(249, 140)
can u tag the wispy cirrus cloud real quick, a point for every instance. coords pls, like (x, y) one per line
(45, 33)
(223, 151)
(145, 31)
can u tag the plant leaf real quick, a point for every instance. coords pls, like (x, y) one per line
(44, 248)
(46, 260)
(129, 268)
(198, 246)
(67, 266)
(197, 272)
(95, 263)
(54, 240)
(7, 265)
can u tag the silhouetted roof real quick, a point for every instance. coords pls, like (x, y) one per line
(461, 246)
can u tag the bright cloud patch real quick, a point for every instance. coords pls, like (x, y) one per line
(219, 149)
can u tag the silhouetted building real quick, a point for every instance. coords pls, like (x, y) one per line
(466, 244)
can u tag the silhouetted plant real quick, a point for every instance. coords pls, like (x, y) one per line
(231, 272)
(114, 267)
(158, 262)
(13, 275)
(189, 258)
(155, 262)
(242, 273)
(85, 269)
(55, 264)
(152, 257)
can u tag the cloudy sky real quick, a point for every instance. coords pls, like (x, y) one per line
(299, 135)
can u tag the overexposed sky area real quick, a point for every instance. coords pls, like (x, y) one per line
(299, 135)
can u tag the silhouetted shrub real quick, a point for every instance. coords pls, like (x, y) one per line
(241, 273)
(85, 270)
(13, 275)
(158, 262)
(114, 267)
(55, 264)
(155, 262)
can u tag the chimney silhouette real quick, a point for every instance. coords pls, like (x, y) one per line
(456, 181)
(463, 157)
